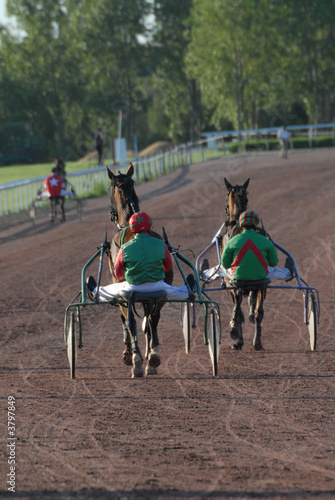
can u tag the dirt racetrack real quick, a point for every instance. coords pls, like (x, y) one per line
(264, 428)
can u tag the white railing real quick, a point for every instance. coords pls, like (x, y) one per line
(17, 196)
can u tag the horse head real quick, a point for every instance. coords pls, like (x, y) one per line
(123, 201)
(236, 201)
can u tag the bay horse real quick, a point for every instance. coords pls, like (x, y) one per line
(54, 202)
(123, 203)
(236, 203)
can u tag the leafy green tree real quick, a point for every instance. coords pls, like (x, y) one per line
(115, 62)
(84, 63)
(231, 57)
(253, 58)
(177, 92)
(309, 33)
(48, 58)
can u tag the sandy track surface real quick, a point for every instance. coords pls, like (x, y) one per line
(264, 428)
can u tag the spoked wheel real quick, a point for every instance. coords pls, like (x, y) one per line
(213, 343)
(312, 318)
(187, 327)
(72, 345)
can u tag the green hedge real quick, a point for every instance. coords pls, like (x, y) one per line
(273, 144)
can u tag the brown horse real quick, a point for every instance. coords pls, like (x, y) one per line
(236, 203)
(55, 201)
(123, 204)
(59, 200)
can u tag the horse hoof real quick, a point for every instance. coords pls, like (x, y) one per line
(149, 370)
(154, 358)
(237, 346)
(137, 372)
(258, 346)
(137, 360)
(127, 358)
(235, 333)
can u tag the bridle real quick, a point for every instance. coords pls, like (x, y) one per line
(126, 185)
(241, 200)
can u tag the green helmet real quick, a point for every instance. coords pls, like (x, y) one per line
(248, 219)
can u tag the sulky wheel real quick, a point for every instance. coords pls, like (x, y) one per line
(213, 343)
(72, 345)
(187, 327)
(312, 319)
(32, 212)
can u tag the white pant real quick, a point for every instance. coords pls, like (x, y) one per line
(220, 272)
(109, 292)
(64, 192)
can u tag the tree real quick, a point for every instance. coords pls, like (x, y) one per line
(178, 94)
(230, 55)
(254, 57)
(48, 58)
(310, 33)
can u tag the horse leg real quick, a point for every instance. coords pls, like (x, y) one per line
(252, 301)
(137, 359)
(127, 353)
(62, 206)
(236, 321)
(52, 215)
(55, 207)
(259, 314)
(154, 358)
(152, 353)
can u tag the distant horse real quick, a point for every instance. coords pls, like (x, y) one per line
(236, 203)
(123, 204)
(55, 189)
(59, 171)
(56, 201)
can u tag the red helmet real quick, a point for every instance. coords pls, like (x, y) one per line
(248, 219)
(140, 222)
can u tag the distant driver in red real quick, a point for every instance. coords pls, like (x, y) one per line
(54, 185)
